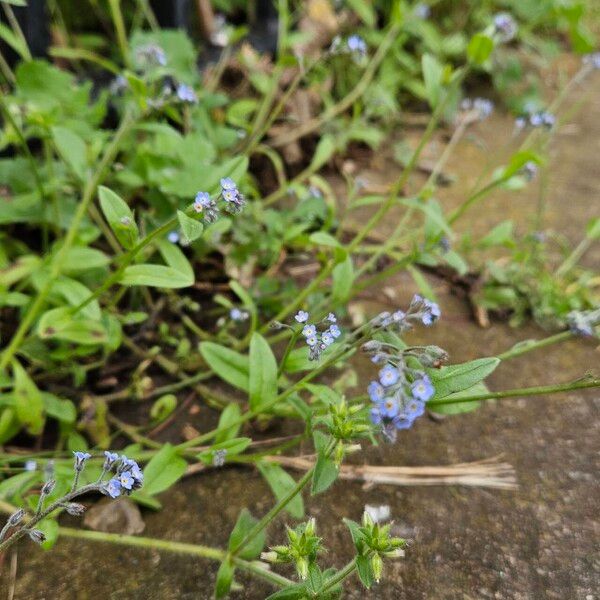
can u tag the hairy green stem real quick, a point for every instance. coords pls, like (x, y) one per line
(528, 345)
(340, 576)
(516, 393)
(117, 18)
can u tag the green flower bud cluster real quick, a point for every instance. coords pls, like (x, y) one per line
(302, 548)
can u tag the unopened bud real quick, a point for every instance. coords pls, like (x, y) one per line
(397, 553)
(377, 566)
(371, 346)
(16, 517)
(310, 527)
(75, 509)
(367, 521)
(36, 536)
(269, 556)
(48, 487)
(302, 567)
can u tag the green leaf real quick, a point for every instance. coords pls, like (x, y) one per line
(281, 483)
(72, 150)
(518, 161)
(424, 288)
(242, 527)
(176, 259)
(191, 228)
(455, 378)
(365, 11)
(322, 238)
(461, 407)
(62, 324)
(343, 280)
(80, 259)
(155, 276)
(163, 407)
(49, 527)
(500, 235)
(324, 151)
(60, 409)
(228, 425)
(314, 579)
(164, 469)
(229, 365)
(592, 229)
(29, 405)
(119, 217)
(224, 579)
(262, 384)
(364, 570)
(480, 48)
(432, 74)
(325, 473)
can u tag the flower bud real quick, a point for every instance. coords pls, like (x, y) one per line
(371, 346)
(16, 517)
(397, 553)
(367, 521)
(269, 556)
(302, 567)
(377, 566)
(36, 536)
(75, 509)
(48, 487)
(310, 528)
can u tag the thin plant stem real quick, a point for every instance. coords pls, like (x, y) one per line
(275, 510)
(522, 392)
(14, 24)
(117, 18)
(41, 515)
(529, 345)
(574, 257)
(340, 576)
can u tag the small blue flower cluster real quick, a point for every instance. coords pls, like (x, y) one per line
(529, 170)
(318, 339)
(422, 11)
(583, 323)
(186, 94)
(420, 310)
(239, 315)
(536, 119)
(150, 55)
(399, 397)
(204, 204)
(481, 106)
(354, 46)
(401, 391)
(235, 201)
(128, 475)
(505, 27)
(592, 59)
